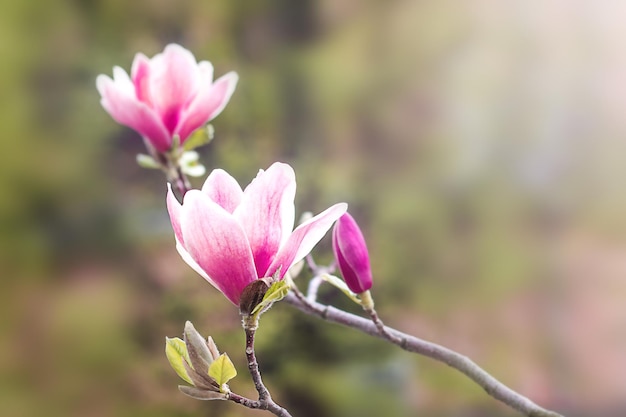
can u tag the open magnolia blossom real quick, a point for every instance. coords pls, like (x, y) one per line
(233, 237)
(168, 95)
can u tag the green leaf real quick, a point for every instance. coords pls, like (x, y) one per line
(276, 292)
(199, 138)
(222, 370)
(146, 161)
(176, 353)
(339, 283)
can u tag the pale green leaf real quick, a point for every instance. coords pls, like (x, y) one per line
(146, 161)
(276, 292)
(199, 138)
(222, 370)
(176, 353)
(340, 284)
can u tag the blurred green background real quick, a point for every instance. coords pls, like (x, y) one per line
(480, 144)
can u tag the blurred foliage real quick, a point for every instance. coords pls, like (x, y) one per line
(470, 140)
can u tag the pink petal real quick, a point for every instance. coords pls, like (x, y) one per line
(140, 73)
(193, 264)
(125, 109)
(223, 88)
(174, 81)
(223, 189)
(304, 238)
(206, 73)
(122, 81)
(174, 208)
(267, 213)
(217, 243)
(209, 102)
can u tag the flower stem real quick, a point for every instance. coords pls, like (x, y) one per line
(461, 363)
(177, 177)
(168, 161)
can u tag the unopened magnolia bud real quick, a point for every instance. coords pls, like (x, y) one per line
(198, 362)
(352, 255)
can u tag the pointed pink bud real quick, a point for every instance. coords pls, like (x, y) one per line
(233, 237)
(168, 95)
(352, 255)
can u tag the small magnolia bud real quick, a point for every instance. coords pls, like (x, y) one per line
(352, 255)
(198, 362)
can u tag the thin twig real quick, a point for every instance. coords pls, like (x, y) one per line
(319, 269)
(253, 366)
(259, 405)
(310, 262)
(381, 327)
(413, 344)
(265, 401)
(246, 402)
(314, 285)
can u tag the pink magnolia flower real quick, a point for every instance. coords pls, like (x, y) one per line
(233, 237)
(352, 255)
(167, 95)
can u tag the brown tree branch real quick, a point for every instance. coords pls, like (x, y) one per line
(461, 363)
(265, 401)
